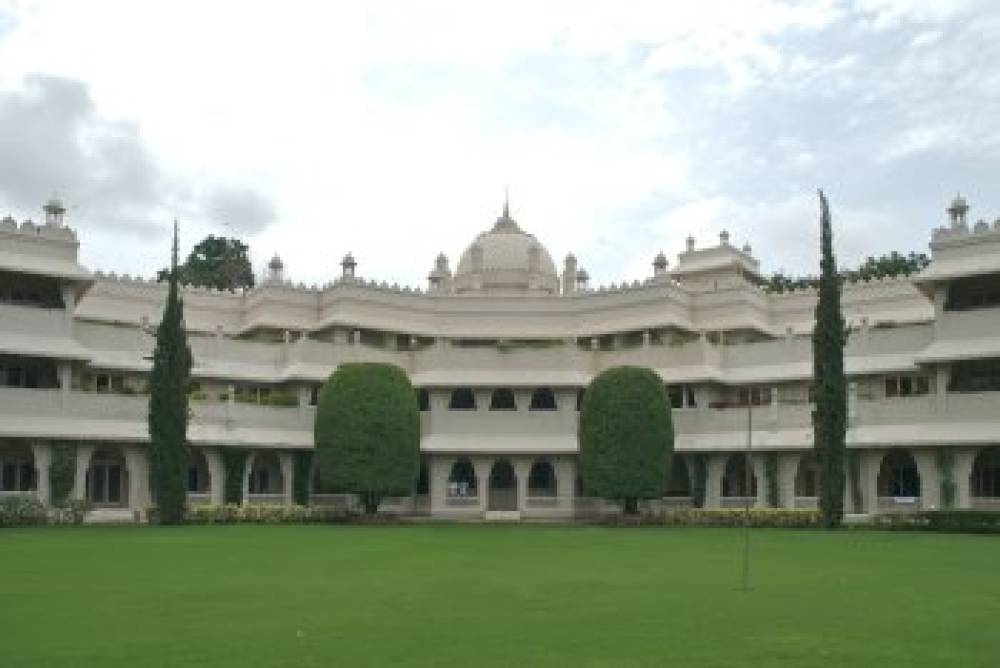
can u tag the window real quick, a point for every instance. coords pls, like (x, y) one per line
(753, 396)
(542, 479)
(462, 399)
(502, 399)
(423, 399)
(681, 396)
(543, 399)
(462, 481)
(973, 293)
(579, 398)
(193, 485)
(907, 386)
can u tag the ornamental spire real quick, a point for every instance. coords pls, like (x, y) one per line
(506, 202)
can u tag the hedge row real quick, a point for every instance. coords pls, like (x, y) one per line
(24, 511)
(957, 521)
(735, 517)
(264, 514)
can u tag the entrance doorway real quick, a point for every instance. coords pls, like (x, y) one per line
(106, 479)
(503, 487)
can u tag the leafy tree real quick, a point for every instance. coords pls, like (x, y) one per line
(830, 415)
(626, 436)
(893, 264)
(215, 262)
(302, 479)
(234, 460)
(168, 404)
(368, 432)
(873, 268)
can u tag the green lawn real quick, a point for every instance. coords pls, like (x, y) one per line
(474, 595)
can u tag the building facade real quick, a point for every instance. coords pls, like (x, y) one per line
(500, 351)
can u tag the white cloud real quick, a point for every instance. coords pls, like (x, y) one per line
(390, 128)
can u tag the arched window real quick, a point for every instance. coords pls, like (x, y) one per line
(806, 476)
(17, 468)
(107, 478)
(898, 476)
(423, 399)
(265, 474)
(986, 473)
(542, 479)
(462, 399)
(543, 399)
(679, 483)
(503, 400)
(734, 481)
(462, 479)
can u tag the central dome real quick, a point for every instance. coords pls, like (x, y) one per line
(506, 259)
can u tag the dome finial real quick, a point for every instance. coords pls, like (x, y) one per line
(506, 203)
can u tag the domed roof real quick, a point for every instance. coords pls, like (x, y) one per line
(506, 258)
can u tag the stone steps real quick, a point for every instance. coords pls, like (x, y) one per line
(111, 516)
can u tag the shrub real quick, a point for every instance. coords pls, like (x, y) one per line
(302, 478)
(234, 460)
(72, 512)
(21, 511)
(626, 436)
(62, 472)
(368, 432)
(945, 460)
(265, 514)
(734, 517)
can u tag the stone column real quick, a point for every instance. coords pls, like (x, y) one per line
(83, 454)
(65, 371)
(305, 394)
(216, 476)
(287, 464)
(522, 469)
(565, 484)
(758, 472)
(42, 454)
(137, 463)
(930, 478)
(962, 473)
(714, 468)
(247, 469)
(871, 460)
(788, 468)
(439, 468)
(482, 467)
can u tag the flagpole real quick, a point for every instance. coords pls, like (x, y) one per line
(748, 482)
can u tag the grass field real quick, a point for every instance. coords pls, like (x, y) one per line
(494, 596)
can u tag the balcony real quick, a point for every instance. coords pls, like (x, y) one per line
(93, 416)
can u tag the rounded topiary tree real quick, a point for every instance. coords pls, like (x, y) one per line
(626, 436)
(368, 432)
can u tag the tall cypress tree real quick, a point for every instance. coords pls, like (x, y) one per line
(830, 414)
(168, 404)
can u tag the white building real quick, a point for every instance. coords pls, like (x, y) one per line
(500, 351)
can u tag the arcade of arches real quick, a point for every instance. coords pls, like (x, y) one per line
(534, 485)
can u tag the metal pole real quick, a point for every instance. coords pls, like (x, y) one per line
(748, 483)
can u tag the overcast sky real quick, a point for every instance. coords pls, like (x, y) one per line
(390, 129)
